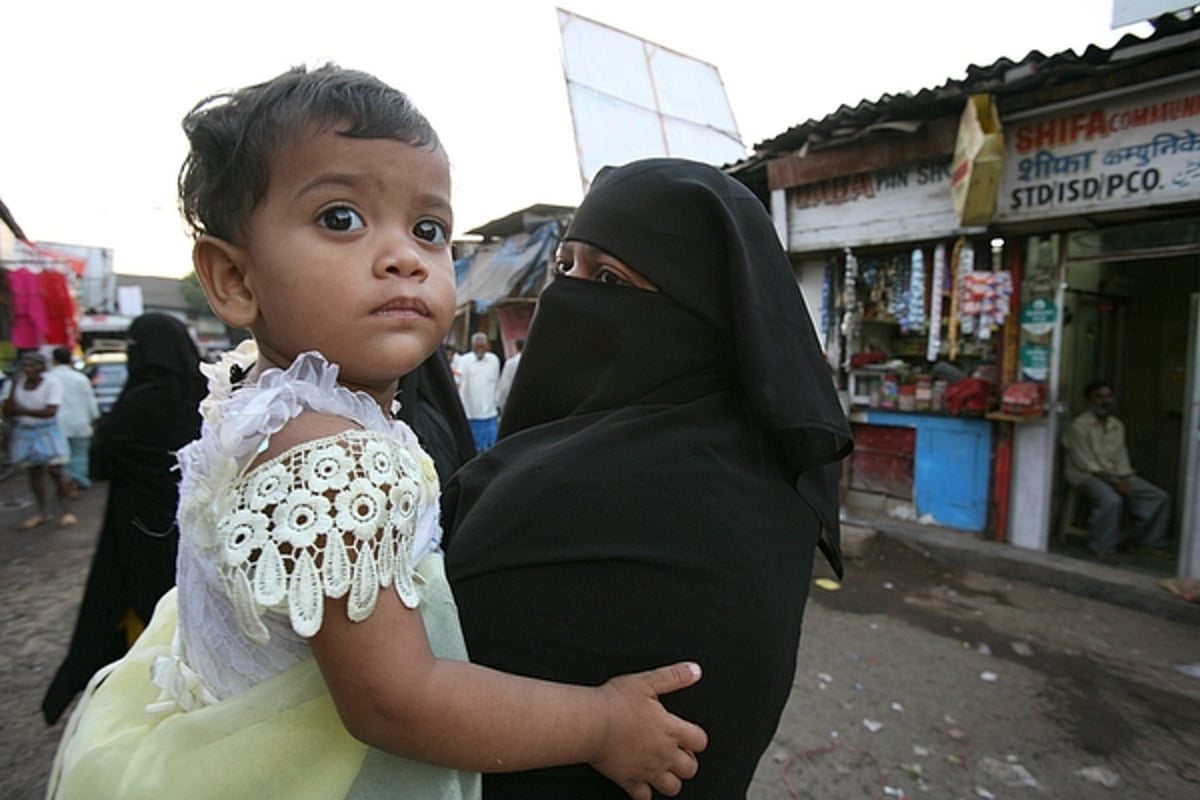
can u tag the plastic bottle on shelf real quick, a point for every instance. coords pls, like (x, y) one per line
(937, 401)
(889, 391)
(923, 399)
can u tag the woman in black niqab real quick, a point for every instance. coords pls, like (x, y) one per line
(133, 449)
(666, 469)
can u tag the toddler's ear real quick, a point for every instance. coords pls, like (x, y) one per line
(220, 266)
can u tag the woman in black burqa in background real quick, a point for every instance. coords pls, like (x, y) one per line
(666, 469)
(134, 450)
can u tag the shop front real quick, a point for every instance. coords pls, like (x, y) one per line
(1104, 193)
(962, 331)
(963, 351)
(914, 309)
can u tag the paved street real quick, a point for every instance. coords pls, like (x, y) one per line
(916, 678)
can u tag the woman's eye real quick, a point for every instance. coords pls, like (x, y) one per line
(561, 267)
(342, 219)
(610, 277)
(432, 231)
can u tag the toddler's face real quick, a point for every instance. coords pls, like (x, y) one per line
(350, 255)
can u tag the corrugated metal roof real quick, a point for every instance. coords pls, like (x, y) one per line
(1032, 73)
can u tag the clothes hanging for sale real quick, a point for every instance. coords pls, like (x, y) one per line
(61, 327)
(29, 309)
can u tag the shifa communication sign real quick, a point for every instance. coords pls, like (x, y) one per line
(1133, 151)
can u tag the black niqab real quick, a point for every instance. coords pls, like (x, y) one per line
(705, 241)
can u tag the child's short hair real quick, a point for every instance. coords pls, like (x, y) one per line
(233, 136)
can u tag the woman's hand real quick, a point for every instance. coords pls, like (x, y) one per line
(646, 747)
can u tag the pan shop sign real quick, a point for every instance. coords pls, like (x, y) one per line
(1123, 153)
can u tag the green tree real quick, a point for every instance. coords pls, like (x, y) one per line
(193, 293)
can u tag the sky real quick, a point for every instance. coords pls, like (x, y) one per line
(93, 93)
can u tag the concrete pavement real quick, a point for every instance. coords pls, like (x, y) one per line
(1133, 584)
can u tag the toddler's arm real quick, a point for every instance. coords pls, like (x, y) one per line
(393, 694)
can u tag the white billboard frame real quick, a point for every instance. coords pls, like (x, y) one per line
(631, 98)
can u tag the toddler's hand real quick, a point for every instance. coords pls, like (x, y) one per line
(646, 747)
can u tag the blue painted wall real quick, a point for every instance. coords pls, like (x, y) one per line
(951, 466)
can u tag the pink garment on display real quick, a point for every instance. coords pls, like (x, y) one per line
(29, 309)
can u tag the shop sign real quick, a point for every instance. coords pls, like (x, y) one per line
(893, 205)
(1137, 150)
(1038, 315)
(1035, 361)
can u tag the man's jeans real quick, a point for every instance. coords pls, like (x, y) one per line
(1149, 505)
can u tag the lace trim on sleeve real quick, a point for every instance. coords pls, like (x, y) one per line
(334, 517)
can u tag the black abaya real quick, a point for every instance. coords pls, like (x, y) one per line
(666, 470)
(134, 450)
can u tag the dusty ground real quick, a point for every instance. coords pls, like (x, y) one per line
(918, 680)
(914, 680)
(41, 581)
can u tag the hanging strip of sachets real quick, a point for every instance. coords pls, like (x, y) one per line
(935, 303)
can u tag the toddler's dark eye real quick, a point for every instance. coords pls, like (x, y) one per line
(342, 219)
(432, 231)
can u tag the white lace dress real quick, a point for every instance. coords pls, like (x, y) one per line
(260, 550)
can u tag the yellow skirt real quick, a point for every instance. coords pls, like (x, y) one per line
(281, 738)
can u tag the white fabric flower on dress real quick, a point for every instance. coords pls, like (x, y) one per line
(220, 386)
(404, 501)
(180, 687)
(360, 509)
(407, 463)
(267, 486)
(379, 462)
(301, 518)
(241, 533)
(327, 468)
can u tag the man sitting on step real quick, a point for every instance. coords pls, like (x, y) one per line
(1098, 463)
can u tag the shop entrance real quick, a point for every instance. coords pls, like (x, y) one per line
(1128, 321)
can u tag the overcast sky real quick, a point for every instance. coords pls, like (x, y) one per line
(93, 91)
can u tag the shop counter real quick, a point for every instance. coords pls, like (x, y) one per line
(951, 464)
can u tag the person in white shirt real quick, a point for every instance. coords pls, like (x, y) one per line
(1098, 463)
(480, 371)
(38, 442)
(507, 373)
(76, 416)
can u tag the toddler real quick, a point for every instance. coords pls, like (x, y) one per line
(312, 646)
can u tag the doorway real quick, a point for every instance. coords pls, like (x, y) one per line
(1128, 321)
